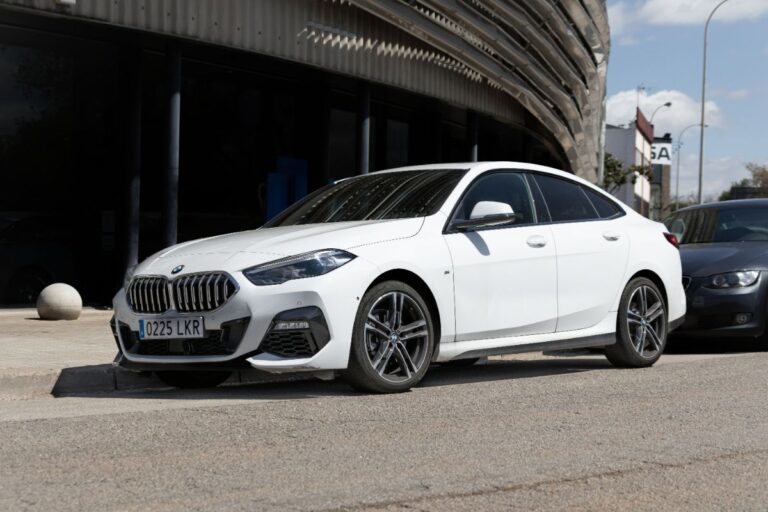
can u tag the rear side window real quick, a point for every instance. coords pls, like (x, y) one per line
(604, 206)
(566, 200)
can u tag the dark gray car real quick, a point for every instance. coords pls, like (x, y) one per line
(724, 251)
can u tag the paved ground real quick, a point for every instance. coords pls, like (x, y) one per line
(517, 434)
(38, 358)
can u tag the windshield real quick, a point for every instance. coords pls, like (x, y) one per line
(390, 195)
(713, 225)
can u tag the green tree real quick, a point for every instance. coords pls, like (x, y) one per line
(758, 182)
(614, 175)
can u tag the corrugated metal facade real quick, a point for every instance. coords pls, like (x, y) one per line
(549, 55)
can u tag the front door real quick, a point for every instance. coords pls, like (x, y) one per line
(505, 278)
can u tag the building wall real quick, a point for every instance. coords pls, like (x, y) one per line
(550, 57)
(271, 95)
(631, 147)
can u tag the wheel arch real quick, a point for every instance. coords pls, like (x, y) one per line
(656, 279)
(417, 283)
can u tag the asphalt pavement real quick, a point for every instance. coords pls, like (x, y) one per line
(523, 433)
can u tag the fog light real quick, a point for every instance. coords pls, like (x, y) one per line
(743, 318)
(290, 325)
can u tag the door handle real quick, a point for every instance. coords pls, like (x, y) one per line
(611, 236)
(536, 241)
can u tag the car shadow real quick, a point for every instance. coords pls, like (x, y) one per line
(103, 381)
(680, 345)
(496, 370)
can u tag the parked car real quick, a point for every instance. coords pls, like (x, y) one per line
(724, 252)
(377, 276)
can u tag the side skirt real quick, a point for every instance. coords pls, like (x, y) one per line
(599, 340)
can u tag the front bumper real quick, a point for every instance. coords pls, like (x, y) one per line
(241, 331)
(715, 312)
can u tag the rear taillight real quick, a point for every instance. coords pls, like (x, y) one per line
(672, 239)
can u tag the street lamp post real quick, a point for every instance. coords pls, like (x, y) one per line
(666, 105)
(703, 101)
(677, 178)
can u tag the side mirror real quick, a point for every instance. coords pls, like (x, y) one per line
(486, 214)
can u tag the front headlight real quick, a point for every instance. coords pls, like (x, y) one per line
(128, 275)
(310, 264)
(734, 279)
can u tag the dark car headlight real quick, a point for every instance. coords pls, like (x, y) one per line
(310, 264)
(739, 279)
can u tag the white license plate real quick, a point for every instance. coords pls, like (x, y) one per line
(171, 328)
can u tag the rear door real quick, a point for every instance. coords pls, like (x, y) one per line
(592, 247)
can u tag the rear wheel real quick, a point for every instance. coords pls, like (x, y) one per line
(193, 380)
(392, 340)
(641, 331)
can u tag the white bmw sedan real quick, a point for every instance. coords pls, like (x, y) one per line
(378, 276)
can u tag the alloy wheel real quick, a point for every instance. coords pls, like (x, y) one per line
(396, 337)
(646, 321)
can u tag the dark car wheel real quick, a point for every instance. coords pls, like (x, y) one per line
(392, 340)
(641, 330)
(193, 380)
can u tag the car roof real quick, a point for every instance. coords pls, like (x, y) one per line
(734, 203)
(480, 167)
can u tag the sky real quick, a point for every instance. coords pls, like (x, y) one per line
(657, 44)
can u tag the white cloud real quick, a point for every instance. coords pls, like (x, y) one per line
(627, 17)
(617, 18)
(719, 173)
(685, 111)
(683, 12)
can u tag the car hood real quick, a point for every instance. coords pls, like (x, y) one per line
(236, 251)
(701, 260)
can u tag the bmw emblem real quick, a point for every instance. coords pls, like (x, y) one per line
(177, 269)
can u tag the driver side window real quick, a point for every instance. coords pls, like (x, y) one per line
(509, 188)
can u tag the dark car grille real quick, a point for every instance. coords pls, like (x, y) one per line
(288, 344)
(190, 294)
(202, 292)
(210, 346)
(149, 295)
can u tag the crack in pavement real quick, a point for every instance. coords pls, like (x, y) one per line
(645, 465)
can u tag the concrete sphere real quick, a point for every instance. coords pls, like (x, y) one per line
(59, 301)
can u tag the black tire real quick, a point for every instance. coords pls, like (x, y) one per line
(193, 380)
(641, 326)
(382, 331)
(461, 363)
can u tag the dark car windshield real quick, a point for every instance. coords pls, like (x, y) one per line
(390, 195)
(719, 225)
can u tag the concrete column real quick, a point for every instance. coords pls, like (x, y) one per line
(473, 125)
(364, 128)
(133, 167)
(171, 199)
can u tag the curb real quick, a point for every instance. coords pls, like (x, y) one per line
(105, 378)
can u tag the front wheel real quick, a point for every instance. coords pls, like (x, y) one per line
(392, 340)
(641, 330)
(193, 380)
